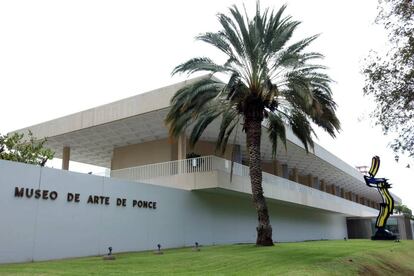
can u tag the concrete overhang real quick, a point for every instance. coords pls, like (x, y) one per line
(275, 188)
(94, 133)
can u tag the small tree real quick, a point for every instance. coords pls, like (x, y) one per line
(14, 147)
(403, 209)
(389, 78)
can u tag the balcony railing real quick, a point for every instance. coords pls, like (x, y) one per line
(170, 168)
(214, 163)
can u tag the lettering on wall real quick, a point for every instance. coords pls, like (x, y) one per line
(35, 193)
(75, 198)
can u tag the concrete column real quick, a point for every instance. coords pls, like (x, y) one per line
(337, 191)
(65, 158)
(362, 200)
(348, 195)
(285, 171)
(295, 175)
(309, 180)
(182, 146)
(315, 182)
(331, 189)
(323, 185)
(237, 154)
(276, 169)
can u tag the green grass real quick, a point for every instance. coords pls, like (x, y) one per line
(303, 258)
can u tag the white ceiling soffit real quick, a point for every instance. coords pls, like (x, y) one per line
(95, 145)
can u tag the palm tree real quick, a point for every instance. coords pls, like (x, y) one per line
(269, 82)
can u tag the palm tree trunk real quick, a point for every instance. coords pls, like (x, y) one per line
(253, 128)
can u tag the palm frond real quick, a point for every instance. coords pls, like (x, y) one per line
(282, 32)
(204, 119)
(228, 123)
(242, 30)
(265, 72)
(276, 129)
(217, 40)
(300, 45)
(302, 129)
(189, 101)
(231, 34)
(199, 64)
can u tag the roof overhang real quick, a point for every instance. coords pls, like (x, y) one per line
(94, 133)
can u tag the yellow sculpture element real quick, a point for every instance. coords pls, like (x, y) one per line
(387, 205)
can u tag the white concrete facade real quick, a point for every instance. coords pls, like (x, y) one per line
(42, 229)
(309, 194)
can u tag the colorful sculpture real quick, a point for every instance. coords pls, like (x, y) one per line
(387, 205)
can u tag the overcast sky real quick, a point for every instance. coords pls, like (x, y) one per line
(61, 57)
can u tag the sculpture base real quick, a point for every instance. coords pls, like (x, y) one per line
(384, 235)
(108, 257)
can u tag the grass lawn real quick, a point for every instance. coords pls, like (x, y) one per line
(303, 258)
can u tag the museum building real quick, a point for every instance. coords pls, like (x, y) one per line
(311, 196)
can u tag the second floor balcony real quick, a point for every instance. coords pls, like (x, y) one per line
(215, 174)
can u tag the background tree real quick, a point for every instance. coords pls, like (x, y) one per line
(390, 78)
(403, 209)
(14, 147)
(269, 82)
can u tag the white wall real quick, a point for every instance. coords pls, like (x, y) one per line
(412, 227)
(37, 229)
